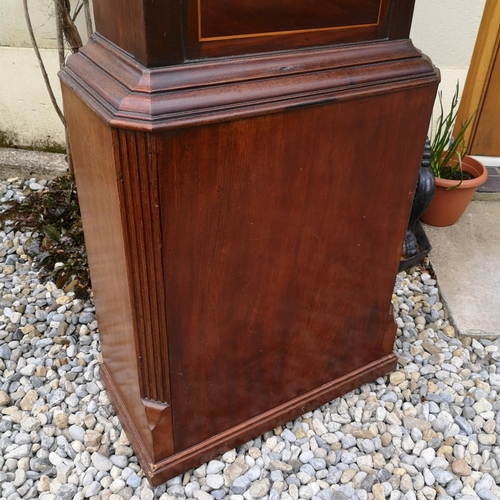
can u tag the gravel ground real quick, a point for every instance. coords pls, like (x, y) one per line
(428, 430)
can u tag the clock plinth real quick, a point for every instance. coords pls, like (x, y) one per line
(245, 184)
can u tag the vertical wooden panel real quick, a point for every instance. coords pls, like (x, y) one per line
(486, 138)
(281, 246)
(401, 17)
(123, 24)
(173, 26)
(484, 58)
(164, 35)
(149, 31)
(139, 192)
(244, 221)
(244, 27)
(97, 182)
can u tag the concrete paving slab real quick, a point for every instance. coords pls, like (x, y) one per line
(26, 163)
(466, 259)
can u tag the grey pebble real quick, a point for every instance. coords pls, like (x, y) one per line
(468, 412)
(348, 441)
(240, 485)
(66, 492)
(215, 466)
(214, 481)
(134, 480)
(57, 397)
(77, 433)
(190, 488)
(218, 494)
(306, 456)
(176, 490)
(485, 494)
(443, 477)
(101, 462)
(5, 351)
(368, 446)
(289, 436)
(93, 489)
(318, 463)
(253, 473)
(302, 460)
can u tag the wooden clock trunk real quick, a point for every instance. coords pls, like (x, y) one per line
(245, 170)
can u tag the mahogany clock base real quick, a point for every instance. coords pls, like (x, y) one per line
(244, 220)
(163, 470)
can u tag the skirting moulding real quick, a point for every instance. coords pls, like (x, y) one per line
(245, 173)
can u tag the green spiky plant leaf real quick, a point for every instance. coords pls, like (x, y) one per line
(447, 151)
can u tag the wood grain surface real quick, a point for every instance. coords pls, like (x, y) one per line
(229, 18)
(181, 30)
(244, 220)
(225, 28)
(133, 97)
(271, 231)
(94, 146)
(162, 470)
(482, 87)
(486, 140)
(149, 31)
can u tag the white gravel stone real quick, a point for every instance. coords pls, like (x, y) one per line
(430, 426)
(101, 462)
(202, 495)
(214, 481)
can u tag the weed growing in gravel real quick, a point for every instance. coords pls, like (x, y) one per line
(57, 245)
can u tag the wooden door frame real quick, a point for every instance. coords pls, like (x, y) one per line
(480, 70)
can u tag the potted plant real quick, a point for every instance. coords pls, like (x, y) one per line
(457, 175)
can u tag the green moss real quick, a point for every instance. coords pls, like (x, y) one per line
(49, 147)
(11, 140)
(7, 140)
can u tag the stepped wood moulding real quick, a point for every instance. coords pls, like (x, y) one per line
(245, 171)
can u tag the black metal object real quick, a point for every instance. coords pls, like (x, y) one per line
(416, 246)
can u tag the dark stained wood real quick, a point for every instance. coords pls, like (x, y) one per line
(182, 461)
(401, 16)
(124, 23)
(96, 177)
(138, 175)
(164, 23)
(284, 280)
(131, 313)
(244, 219)
(230, 18)
(192, 29)
(268, 26)
(134, 97)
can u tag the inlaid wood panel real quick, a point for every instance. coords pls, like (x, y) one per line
(230, 18)
(244, 26)
(167, 32)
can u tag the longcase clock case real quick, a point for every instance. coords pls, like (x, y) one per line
(245, 170)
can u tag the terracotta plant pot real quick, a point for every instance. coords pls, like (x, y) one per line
(448, 205)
